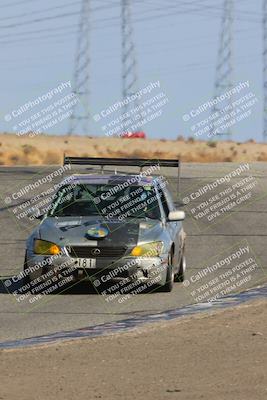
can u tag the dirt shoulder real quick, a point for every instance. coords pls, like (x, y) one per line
(217, 356)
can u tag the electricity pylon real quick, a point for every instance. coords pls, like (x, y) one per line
(224, 69)
(129, 64)
(264, 70)
(80, 118)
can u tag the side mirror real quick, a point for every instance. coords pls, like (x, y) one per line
(176, 216)
(34, 213)
(40, 216)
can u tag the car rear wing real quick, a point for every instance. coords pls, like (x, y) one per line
(129, 162)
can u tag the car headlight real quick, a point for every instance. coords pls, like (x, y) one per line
(152, 249)
(44, 247)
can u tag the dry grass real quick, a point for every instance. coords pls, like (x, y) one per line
(47, 149)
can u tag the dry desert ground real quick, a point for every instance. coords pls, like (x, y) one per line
(48, 149)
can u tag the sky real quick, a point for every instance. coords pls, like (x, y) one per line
(176, 43)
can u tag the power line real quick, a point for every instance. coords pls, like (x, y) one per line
(53, 36)
(21, 39)
(38, 20)
(60, 28)
(16, 3)
(116, 19)
(68, 26)
(56, 8)
(39, 12)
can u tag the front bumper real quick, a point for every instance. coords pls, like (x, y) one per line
(154, 269)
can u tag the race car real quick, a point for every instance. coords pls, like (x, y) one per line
(103, 227)
(134, 135)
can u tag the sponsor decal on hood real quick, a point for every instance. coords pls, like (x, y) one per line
(97, 232)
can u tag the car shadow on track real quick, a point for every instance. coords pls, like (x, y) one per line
(7, 286)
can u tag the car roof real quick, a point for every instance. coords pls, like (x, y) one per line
(133, 179)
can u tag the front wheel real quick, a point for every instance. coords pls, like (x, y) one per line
(180, 276)
(169, 276)
(26, 279)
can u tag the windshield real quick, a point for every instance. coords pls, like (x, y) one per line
(108, 201)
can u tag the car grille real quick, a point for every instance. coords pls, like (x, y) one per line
(92, 252)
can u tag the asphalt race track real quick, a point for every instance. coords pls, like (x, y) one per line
(214, 242)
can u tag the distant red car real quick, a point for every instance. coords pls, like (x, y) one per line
(134, 135)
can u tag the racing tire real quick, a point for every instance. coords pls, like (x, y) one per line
(26, 278)
(169, 277)
(180, 276)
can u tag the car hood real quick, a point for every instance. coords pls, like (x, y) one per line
(74, 231)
